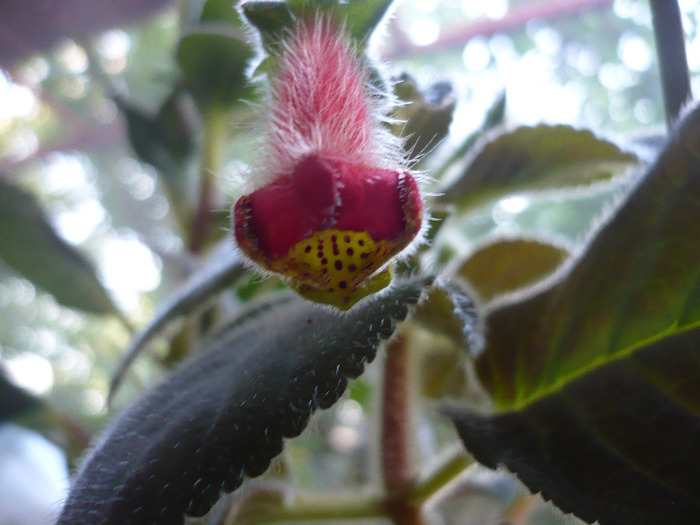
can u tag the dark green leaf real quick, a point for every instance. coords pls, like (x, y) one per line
(15, 400)
(224, 415)
(30, 245)
(426, 117)
(191, 297)
(504, 265)
(598, 374)
(543, 157)
(214, 67)
(617, 445)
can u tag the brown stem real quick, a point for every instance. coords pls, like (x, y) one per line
(396, 435)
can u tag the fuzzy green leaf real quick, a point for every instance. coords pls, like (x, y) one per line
(542, 157)
(596, 377)
(225, 414)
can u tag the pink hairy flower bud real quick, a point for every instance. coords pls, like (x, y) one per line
(340, 203)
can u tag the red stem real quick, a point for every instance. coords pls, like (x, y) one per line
(202, 218)
(396, 434)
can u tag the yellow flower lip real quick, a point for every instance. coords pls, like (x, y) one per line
(336, 266)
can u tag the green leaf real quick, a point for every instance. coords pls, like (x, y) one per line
(504, 265)
(30, 245)
(542, 157)
(225, 414)
(361, 17)
(164, 140)
(616, 445)
(270, 18)
(596, 377)
(215, 278)
(426, 117)
(220, 11)
(311, 7)
(214, 67)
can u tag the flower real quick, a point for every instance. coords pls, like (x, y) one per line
(341, 203)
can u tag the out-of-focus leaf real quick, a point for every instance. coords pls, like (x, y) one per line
(451, 330)
(542, 157)
(506, 264)
(426, 117)
(494, 118)
(214, 67)
(441, 367)
(30, 245)
(361, 17)
(270, 18)
(15, 400)
(164, 140)
(191, 297)
(220, 11)
(307, 7)
(449, 311)
(224, 415)
(597, 377)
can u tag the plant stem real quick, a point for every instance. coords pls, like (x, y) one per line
(332, 508)
(212, 152)
(441, 476)
(673, 63)
(396, 435)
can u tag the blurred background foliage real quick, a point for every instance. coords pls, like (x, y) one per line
(100, 126)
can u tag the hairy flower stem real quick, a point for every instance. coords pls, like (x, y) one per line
(673, 63)
(396, 435)
(212, 152)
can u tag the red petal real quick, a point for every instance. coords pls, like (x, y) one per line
(324, 193)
